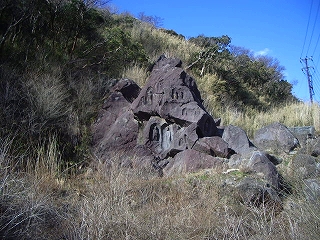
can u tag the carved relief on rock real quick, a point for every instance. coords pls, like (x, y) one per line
(158, 135)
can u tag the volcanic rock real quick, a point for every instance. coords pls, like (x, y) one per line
(192, 161)
(165, 125)
(275, 138)
(173, 95)
(236, 138)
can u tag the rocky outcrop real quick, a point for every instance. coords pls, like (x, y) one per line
(166, 126)
(275, 138)
(116, 129)
(172, 116)
(171, 94)
(252, 191)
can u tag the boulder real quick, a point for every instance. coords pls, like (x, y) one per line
(108, 115)
(122, 93)
(257, 163)
(312, 147)
(255, 192)
(163, 61)
(189, 161)
(236, 138)
(263, 167)
(142, 159)
(304, 166)
(121, 136)
(303, 133)
(170, 111)
(116, 129)
(129, 89)
(214, 146)
(275, 138)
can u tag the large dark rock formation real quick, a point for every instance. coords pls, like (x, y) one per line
(165, 117)
(116, 129)
(165, 125)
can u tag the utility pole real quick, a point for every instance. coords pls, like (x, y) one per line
(309, 76)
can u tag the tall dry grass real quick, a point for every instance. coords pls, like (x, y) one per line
(157, 42)
(30, 197)
(47, 95)
(136, 73)
(291, 115)
(119, 203)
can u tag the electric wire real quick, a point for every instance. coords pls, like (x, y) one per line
(316, 79)
(309, 65)
(314, 24)
(316, 45)
(317, 62)
(317, 87)
(305, 37)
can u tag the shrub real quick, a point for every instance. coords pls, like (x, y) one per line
(47, 96)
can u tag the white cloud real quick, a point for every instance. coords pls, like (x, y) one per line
(262, 52)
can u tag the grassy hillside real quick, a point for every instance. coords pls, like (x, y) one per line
(58, 60)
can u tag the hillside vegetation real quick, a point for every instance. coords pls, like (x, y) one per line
(58, 60)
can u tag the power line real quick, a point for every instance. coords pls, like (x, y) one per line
(316, 83)
(316, 45)
(317, 61)
(305, 37)
(316, 78)
(314, 24)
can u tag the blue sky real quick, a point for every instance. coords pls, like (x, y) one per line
(284, 29)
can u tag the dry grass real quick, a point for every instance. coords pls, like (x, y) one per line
(157, 42)
(118, 203)
(29, 201)
(47, 96)
(136, 73)
(291, 115)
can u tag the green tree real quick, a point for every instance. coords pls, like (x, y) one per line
(246, 80)
(214, 55)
